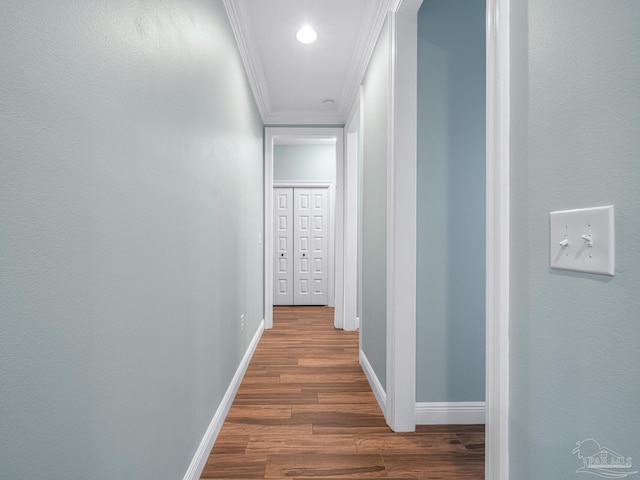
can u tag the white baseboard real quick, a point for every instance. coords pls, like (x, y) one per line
(202, 453)
(437, 413)
(374, 383)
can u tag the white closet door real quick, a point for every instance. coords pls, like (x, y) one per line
(320, 253)
(301, 239)
(311, 240)
(283, 246)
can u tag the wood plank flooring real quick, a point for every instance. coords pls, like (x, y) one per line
(305, 410)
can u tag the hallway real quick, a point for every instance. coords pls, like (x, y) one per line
(305, 410)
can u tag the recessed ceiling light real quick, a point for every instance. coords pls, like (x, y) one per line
(329, 102)
(306, 35)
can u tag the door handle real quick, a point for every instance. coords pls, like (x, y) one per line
(282, 254)
(304, 254)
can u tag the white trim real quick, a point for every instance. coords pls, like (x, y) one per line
(332, 281)
(498, 211)
(270, 136)
(360, 59)
(268, 228)
(450, 413)
(402, 124)
(310, 117)
(359, 295)
(206, 444)
(289, 141)
(338, 245)
(302, 184)
(406, 7)
(374, 383)
(248, 52)
(353, 149)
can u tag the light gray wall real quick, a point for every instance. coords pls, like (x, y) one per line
(304, 162)
(575, 143)
(131, 201)
(373, 323)
(451, 194)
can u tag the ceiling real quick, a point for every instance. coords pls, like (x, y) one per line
(291, 81)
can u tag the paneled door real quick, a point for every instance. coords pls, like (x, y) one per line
(310, 240)
(283, 246)
(301, 246)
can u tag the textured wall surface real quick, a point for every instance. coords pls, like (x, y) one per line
(451, 202)
(575, 143)
(131, 202)
(304, 162)
(373, 322)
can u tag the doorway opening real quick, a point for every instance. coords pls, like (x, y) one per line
(318, 260)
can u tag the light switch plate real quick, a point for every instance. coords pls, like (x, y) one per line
(583, 240)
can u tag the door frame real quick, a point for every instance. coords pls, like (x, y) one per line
(352, 216)
(402, 132)
(401, 118)
(330, 187)
(271, 134)
(497, 253)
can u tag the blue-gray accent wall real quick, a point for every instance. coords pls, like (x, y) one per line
(575, 142)
(450, 330)
(131, 199)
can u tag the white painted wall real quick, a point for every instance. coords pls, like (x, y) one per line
(575, 140)
(131, 201)
(373, 324)
(304, 162)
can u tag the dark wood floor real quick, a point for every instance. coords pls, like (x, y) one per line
(305, 410)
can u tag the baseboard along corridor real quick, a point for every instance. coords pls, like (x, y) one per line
(305, 410)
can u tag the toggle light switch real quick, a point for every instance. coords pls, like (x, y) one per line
(589, 238)
(582, 240)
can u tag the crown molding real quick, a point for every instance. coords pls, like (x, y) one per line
(407, 7)
(372, 25)
(236, 11)
(362, 54)
(310, 117)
